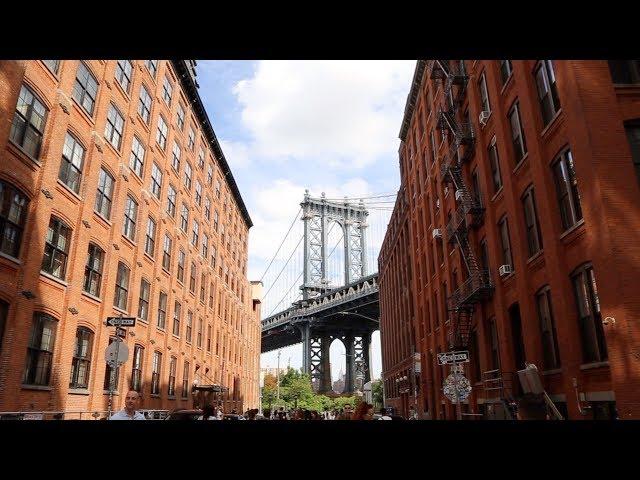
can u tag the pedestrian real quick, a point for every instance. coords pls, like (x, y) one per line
(282, 415)
(129, 412)
(532, 407)
(413, 415)
(346, 413)
(208, 413)
(364, 411)
(383, 414)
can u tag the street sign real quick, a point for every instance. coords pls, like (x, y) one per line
(456, 387)
(453, 357)
(121, 321)
(116, 354)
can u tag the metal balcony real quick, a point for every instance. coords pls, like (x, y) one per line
(457, 223)
(477, 288)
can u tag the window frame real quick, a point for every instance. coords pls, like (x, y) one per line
(90, 271)
(121, 291)
(59, 226)
(69, 173)
(81, 360)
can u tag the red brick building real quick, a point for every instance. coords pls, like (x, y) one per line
(521, 199)
(115, 198)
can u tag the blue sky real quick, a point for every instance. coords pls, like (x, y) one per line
(285, 126)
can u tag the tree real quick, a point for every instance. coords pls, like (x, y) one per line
(296, 387)
(377, 393)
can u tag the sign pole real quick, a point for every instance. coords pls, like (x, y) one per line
(114, 373)
(455, 374)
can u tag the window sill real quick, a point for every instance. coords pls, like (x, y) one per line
(507, 278)
(10, 258)
(78, 391)
(136, 176)
(129, 241)
(143, 123)
(155, 395)
(171, 397)
(519, 165)
(123, 91)
(175, 337)
(161, 330)
(44, 388)
(67, 191)
(143, 321)
(55, 279)
(572, 229)
(551, 372)
(507, 83)
(553, 123)
(83, 113)
(103, 219)
(92, 297)
(591, 366)
(535, 257)
(497, 194)
(119, 310)
(23, 155)
(106, 392)
(165, 271)
(149, 257)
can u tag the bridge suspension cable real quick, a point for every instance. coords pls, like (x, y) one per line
(285, 266)
(281, 243)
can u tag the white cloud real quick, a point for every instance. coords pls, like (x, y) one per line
(236, 153)
(340, 113)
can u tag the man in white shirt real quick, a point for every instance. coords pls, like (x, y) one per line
(130, 406)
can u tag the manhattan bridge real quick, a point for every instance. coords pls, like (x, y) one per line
(322, 285)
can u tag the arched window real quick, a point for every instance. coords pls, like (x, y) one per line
(13, 214)
(81, 364)
(136, 369)
(56, 249)
(28, 123)
(40, 350)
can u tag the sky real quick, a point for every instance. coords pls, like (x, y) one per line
(287, 126)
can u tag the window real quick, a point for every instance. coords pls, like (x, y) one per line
(52, 65)
(432, 139)
(192, 139)
(136, 161)
(505, 70)
(155, 375)
(209, 175)
(187, 175)
(93, 270)
(130, 213)
(211, 295)
(105, 191)
(71, 165)
(199, 339)
(161, 135)
(594, 346)
(143, 304)
(184, 217)
(40, 350)
(162, 310)
(203, 279)
(167, 91)
(484, 255)
(484, 93)
(166, 253)
(633, 136)
(56, 248)
(494, 162)
(213, 256)
(123, 74)
(505, 243)
(180, 117)
(81, 363)
(144, 105)
(192, 278)
(625, 71)
(177, 312)
(475, 181)
(156, 180)
(136, 369)
(517, 134)
(181, 260)
(207, 208)
(122, 287)
(222, 235)
(114, 127)
(547, 91)
(171, 201)
(198, 192)
(175, 156)
(208, 338)
(567, 189)
(194, 237)
(534, 240)
(550, 351)
(189, 326)
(13, 213)
(171, 391)
(185, 380)
(215, 220)
(201, 158)
(152, 66)
(85, 89)
(28, 123)
(218, 189)
(150, 241)
(494, 346)
(205, 245)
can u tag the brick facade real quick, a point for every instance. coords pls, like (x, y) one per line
(589, 379)
(230, 337)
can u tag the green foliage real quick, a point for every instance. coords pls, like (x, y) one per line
(377, 394)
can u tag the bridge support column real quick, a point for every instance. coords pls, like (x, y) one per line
(366, 356)
(306, 348)
(325, 378)
(350, 371)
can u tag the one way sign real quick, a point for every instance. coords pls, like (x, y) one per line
(121, 321)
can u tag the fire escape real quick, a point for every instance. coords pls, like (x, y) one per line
(469, 213)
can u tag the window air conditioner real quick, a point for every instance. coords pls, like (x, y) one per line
(437, 233)
(438, 203)
(484, 116)
(458, 195)
(504, 270)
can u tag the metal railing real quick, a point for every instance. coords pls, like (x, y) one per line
(473, 289)
(75, 415)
